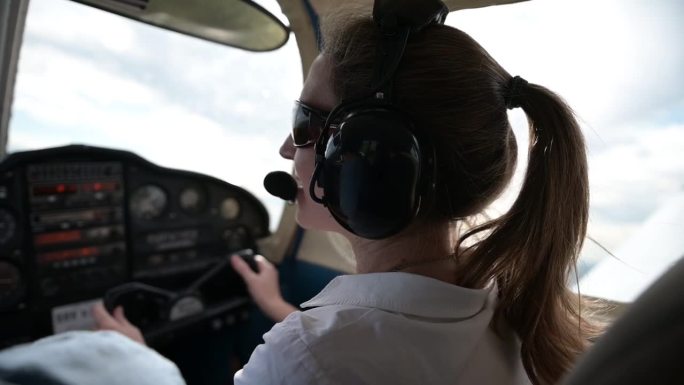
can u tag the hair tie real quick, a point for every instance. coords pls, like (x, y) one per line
(515, 92)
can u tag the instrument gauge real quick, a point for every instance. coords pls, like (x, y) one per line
(230, 208)
(192, 200)
(148, 202)
(8, 226)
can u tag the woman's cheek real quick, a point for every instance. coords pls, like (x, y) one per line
(314, 216)
(311, 215)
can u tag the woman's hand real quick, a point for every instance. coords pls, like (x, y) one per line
(117, 322)
(263, 287)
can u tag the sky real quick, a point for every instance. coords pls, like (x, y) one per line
(89, 77)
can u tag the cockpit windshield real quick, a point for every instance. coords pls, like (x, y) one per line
(91, 77)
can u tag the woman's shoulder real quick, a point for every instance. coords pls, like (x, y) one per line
(301, 349)
(332, 332)
(314, 323)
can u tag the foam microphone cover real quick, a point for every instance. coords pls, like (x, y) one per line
(281, 184)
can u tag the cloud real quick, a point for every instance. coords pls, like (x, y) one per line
(615, 61)
(207, 78)
(66, 21)
(631, 179)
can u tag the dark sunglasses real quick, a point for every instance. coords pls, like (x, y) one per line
(307, 125)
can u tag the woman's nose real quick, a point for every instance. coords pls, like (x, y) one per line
(287, 150)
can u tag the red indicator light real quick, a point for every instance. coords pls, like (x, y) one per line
(59, 237)
(100, 186)
(68, 254)
(54, 189)
(88, 251)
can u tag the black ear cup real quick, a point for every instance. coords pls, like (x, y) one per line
(375, 169)
(372, 176)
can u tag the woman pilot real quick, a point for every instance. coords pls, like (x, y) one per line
(424, 108)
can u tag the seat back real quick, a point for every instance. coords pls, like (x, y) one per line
(645, 345)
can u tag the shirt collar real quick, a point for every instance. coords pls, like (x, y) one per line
(404, 293)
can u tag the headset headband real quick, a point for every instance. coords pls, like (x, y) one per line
(397, 19)
(416, 14)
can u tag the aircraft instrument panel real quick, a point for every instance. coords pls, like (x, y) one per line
(77, 221)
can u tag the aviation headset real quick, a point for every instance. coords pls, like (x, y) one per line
(377, 171)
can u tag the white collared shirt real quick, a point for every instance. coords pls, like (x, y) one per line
(388, 328)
